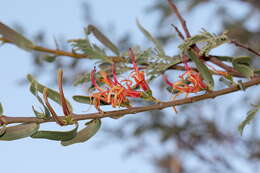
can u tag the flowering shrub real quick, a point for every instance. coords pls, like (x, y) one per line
(141, 65)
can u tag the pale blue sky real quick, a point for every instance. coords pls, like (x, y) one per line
(59, 18)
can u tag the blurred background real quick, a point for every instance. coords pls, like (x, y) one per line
(202, 137)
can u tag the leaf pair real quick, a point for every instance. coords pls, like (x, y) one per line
(242, 65)
(52, 94)
(56, 135)
(71, 137)
(58, 97)
(86, 133)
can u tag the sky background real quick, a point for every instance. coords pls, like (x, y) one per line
(65, 18)
(59, 18)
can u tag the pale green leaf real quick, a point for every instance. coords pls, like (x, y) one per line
(156, 42)
(202, 68)
(56, 135)
(102, 38)
(1, 109)
(86, 100)
(43, 114)
(49, 58)
(52, 94)
(15, 37)
(2, 130)
(86, 133)
(242, 65)
(250, 116)
(19, 131)
(226, 81)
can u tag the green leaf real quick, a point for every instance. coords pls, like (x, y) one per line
(250, 116)
(1, 109)
(86, 100)
(56, 135)
(85, 47)
(224, 58)
(226, 81)
(50, 58)
(246, 71)
(52, 94)
(15, 37)
(257, 71)
(42, 115)
(19, 131)
(86, 133)
(242, 65)
(191, 41)
(2, 130)
(156, 42)
(246, 60)
(102, 38)
(203, 69)
(212, 41)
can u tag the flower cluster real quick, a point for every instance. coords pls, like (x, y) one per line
(117, 93)
(190, 82)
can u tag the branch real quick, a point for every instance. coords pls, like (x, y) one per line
(236, 43)
(178, 32)
(122, 59)
(62, 53)
(181, 19)
(134, 110)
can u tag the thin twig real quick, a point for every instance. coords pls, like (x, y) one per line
(236, 43)
(63, 53)
(181, 19)
(178, 32)
(134, 110)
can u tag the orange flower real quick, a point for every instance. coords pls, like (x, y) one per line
(190, 82)
(222, 73)
(115, 94)
(138, 76)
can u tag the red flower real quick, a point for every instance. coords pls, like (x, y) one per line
(137, 75)
(190, 82)
(116, 93)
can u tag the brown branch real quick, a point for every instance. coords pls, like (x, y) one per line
(63, 53)
(236, 43)
(52, 51)
(181, 19)
(178, 32)
(214, 60)
(134, 110)
(122, 59)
